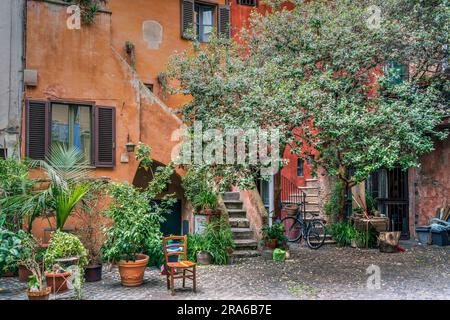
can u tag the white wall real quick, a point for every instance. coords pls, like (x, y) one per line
(11, 73)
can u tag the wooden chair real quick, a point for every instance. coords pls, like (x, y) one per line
(188, 268)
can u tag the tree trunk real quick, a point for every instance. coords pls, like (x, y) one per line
(341, 216)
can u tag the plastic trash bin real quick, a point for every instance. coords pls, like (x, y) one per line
(423, 233)
(440, 238)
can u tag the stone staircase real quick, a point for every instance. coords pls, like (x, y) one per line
(312, 202)
(244, 238)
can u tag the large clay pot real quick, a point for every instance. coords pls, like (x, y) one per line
(204, 258)
(93, 273)
(132, 272)
(24, 273)
(57, 281)
(39, 295)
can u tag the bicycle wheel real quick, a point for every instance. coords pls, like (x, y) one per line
(293, 228)
(315, 236)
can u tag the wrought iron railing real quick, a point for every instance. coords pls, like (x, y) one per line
(292, 195)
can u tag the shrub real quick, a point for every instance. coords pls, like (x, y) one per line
(217, 239)
(65, 245)
(10, 250)
(276, 231)
(206, 200)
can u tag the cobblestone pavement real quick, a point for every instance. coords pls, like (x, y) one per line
(328, 273)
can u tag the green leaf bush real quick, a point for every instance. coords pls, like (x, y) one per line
(65, 245)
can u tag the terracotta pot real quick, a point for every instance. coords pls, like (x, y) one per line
(8, 274)
(39, 295)
(272, 243)
(57, 281)
(93, 273)
(132, 273)
(24, 273)
(204, 258)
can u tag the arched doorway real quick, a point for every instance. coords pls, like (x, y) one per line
(174, 223)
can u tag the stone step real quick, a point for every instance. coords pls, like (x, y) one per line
(233, 204)
(310, 191)
(245, 244)
(245, 254)
(239, 223)
(242, 233)
(312, 183)
(231, 196)
(237, 213)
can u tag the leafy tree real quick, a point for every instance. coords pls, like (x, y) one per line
(317, 73)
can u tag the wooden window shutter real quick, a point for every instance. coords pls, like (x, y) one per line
(105, 136)
(37, 129)
(187, 18)
(224, 21)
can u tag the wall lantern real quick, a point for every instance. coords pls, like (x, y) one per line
(130, 145)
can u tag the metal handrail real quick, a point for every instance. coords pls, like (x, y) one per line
(291, 194)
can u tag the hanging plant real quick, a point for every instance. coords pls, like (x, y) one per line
(88, 8)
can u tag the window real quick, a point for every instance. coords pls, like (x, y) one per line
(396, 72)
(2, 153)
(246, 2)
(89, 128)
(310, 160)
(204, 21)
(300, 164)
(71, 126)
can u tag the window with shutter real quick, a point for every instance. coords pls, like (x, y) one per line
(37, 129)
(247, 2)
(187, 17)
(224, 21)
(105, 132)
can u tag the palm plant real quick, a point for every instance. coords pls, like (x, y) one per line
(66, 173)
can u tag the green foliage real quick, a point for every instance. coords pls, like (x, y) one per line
(137, 216)
(14, 181)
(332, 207)
(319, 68)
(276, 231)
(217, 239)
(65, 245)
(67, 172)
(89, 8)
(142, 155)
(10, 250)
(194, 182)
(344, 233)
(205, 200)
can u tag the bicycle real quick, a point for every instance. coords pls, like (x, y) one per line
(297, 227)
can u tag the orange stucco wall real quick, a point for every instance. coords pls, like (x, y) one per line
(90, 65)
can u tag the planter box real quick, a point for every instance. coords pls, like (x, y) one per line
(439, 238)
(423, 234)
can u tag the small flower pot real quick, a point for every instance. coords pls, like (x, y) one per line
(132, 272)
(271, 244)
(93, 273)
(39, 295)
(57, 281)
(204, 258)
(24, 273)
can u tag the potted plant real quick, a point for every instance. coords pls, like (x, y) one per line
(64, 248)
(31, 261)
(206, 202)
(89, 219)
(273, 235)
(29, 248)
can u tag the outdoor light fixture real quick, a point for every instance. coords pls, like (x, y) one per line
(130, 145)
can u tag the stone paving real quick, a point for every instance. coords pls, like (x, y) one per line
(422, 272)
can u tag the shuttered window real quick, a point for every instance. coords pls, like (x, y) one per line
(224, 21)
(37, 136)
(105, 145)
(187, 17)
(82, 126)
(202, 18)
(247, 2)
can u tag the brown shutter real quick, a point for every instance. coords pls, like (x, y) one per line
(187, 17)
(224, 21)
(105, 136)
(37, 129)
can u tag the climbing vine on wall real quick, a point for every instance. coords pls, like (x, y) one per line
(88, 8)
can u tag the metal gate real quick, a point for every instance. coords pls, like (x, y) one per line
(390, 189)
